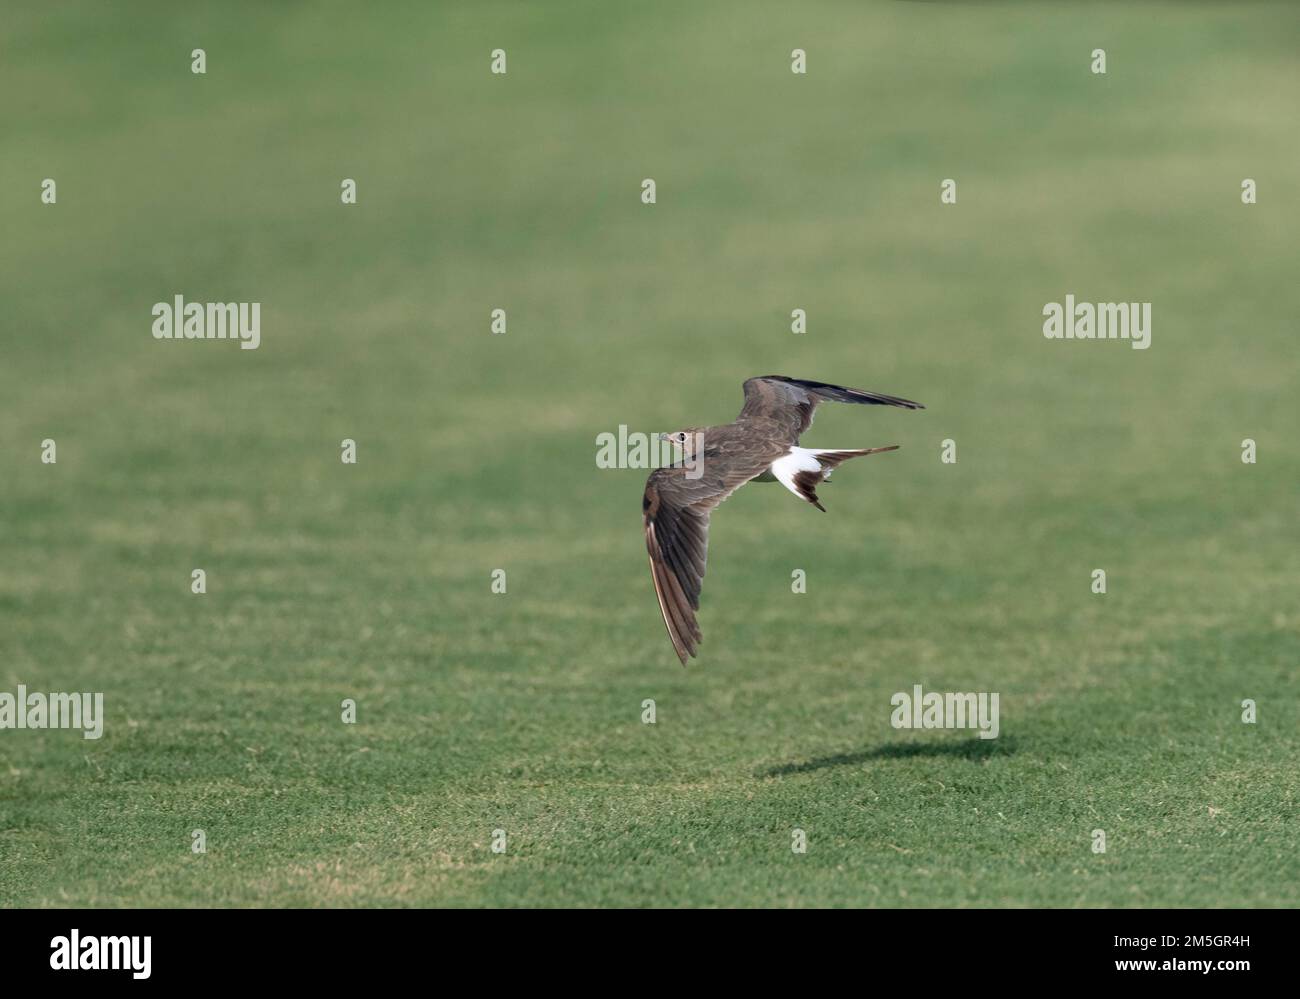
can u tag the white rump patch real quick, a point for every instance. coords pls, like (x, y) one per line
(800, 459)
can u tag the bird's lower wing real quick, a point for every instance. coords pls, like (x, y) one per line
(676, 510)
(674, 604)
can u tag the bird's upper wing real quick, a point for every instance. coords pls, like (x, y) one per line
(789, 402)
(676, 509)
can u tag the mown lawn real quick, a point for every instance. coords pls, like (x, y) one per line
(522, 711)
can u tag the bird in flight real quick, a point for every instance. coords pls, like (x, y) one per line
(761, 445)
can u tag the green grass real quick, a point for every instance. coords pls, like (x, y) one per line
(522, 711)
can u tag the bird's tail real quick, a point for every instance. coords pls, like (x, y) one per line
(829, 459)
(805, 468)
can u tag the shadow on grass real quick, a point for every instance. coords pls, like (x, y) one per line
(967, 749)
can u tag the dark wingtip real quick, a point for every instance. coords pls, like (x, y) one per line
(842, 393)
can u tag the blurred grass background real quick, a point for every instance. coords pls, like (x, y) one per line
(476, 452)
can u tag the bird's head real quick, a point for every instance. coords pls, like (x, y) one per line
(689, 441)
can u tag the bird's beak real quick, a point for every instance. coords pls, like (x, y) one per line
(664, 437)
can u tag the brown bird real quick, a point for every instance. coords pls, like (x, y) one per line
(762, 445)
